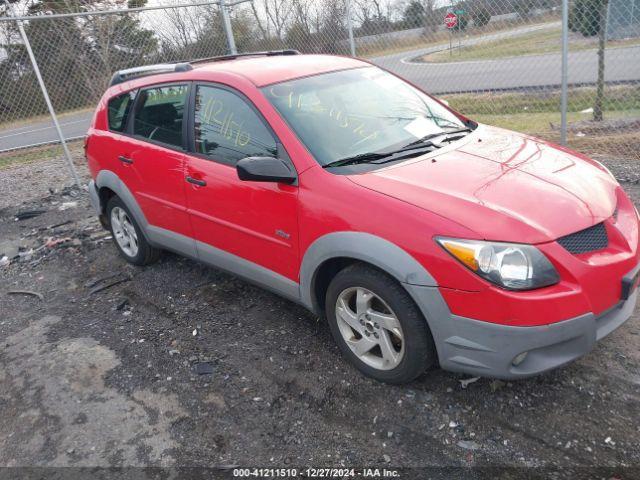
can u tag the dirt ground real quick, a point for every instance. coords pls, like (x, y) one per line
(181, 365)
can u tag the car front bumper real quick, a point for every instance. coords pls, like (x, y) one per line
(489, 349)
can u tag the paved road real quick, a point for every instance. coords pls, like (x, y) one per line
(622, 64)
(74, 125)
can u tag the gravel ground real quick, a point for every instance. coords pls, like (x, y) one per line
(32, 181)
(181, 365)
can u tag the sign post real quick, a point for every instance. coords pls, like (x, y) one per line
(450, 21)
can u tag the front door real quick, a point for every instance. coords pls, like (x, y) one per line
(252, 221)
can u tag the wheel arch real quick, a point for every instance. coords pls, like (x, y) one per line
(332, 252)
(109, 184)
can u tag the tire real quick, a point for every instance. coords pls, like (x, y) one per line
(400, 355)
(122, 225)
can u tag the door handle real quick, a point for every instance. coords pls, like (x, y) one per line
(198, 182)
(124, 159)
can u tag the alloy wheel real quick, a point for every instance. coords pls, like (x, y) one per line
(370, 328)
(124, 231)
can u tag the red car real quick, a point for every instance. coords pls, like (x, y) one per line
(422, 236)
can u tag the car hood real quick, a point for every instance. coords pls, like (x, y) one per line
(504, 186)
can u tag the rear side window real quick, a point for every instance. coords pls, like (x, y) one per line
(118, 110)
(159, 114)
(227, 129)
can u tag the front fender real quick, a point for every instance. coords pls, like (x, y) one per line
(364, 247)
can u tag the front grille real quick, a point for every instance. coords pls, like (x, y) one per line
(587, 240)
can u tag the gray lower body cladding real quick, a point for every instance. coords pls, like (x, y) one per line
(94, 198)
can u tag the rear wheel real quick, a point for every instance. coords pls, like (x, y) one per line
(128, 236)
(377, 325)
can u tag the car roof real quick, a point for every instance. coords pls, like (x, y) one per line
(265, 70)
(259, 70)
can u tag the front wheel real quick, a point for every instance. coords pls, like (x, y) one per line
(377, 325)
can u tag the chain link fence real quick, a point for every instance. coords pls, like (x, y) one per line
(497, 61)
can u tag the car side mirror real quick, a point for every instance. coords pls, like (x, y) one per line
(265, 169)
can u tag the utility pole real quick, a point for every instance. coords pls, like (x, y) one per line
(565, 72)
(226, 24)
(352, 43)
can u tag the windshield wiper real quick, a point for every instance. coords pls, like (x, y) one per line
(360, 158)
(372, 157)
(427, 138)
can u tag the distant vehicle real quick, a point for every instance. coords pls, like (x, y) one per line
(422, 236)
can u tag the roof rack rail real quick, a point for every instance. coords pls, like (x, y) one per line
(267, 53)
(122, 76)
(127, 74)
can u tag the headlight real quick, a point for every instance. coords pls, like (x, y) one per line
(508, 265)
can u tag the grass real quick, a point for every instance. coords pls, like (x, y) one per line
(617, 98)
(533, 43)
(37, 154)
(543, 123)
(538, 114)
(546, 126)
(440, 37)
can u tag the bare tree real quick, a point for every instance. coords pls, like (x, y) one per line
(262, 24)
(302, 13)
(431, 18)
(187, 27)
(272, 15)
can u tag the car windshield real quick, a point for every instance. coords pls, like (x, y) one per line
(356, 112)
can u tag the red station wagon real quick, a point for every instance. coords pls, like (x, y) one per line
(422, 236)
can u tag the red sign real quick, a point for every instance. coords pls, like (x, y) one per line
(451, 20)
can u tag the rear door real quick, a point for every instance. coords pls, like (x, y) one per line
(255, 221)
(152, 162)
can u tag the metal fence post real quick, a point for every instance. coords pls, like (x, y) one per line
(352, 43)
(228, 30)
(47, 100)
(565, 72)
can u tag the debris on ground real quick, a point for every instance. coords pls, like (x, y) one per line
(26, 292)
(122, 304)
(117, 281)
(54, 242)
(95, 281)
(67, 206)
(496, 385)
(25, 215)
(464, 383)
(468, 445)
(203, 368)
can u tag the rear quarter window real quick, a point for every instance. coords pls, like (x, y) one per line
(118, 110)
